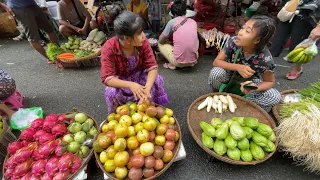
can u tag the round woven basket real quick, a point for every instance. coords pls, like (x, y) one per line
(156, 173)
(84, 161)
(276, 108)
(245, 108)
(78, 60)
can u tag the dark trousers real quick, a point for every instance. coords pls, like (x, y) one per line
(299, 29)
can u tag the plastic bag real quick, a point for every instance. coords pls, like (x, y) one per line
(23, 118)
(304, 52)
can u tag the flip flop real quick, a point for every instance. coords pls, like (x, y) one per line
(167, 66)
(18, 38)
(51, 62)
(293, 76)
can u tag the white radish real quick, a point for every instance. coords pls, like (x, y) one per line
(232, 105)
(215, 99)
(220, 107)
(203, 104)
(215, 106)
(224, 107)
(223, 99)
(209, 104)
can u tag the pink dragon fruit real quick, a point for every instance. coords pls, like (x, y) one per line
(34, 177)
(52, 118)
(37, 124)
(46, 177)
(23, 168)
(27, 176)
(35, 155)
(25, 143)
(52, 166)
(60, 150)
(38, 168)
(23, 154)
(61, 118)
(61, 175)
(45, 138)
(8, 174)
(77, 161)
(65, 162)
(47, 125)
(13, 147)
(59, 130)
(47, 149)
(10, 163)
(27, 134)
(15, 178)
(38, 134)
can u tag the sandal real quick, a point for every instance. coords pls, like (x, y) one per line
(51, 62)
(18, 38)
(293, 76)
(169, 66)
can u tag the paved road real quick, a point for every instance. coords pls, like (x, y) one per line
(59, 91)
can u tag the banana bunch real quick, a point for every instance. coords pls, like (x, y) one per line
(301, 55)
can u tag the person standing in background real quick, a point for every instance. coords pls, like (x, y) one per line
(139, 8)
(155, 11)
(32, 18)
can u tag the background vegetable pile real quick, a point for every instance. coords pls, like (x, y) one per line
(240, 138)
(137, 141)
(40, 154)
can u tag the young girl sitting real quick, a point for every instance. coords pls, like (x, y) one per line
(128, 67)
(248, 55)
(7, 88)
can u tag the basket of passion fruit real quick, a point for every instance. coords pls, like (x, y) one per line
(137, 141)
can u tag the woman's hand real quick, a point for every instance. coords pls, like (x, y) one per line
(138, 91)
(245, 91)
(245, 71)
(315, 33)
(147, 92)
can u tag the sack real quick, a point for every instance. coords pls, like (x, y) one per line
(284, 15)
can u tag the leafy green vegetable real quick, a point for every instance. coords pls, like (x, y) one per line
(287, 110)
(82, 53)
(53, 51)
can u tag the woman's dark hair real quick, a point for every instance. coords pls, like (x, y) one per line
(179, 8)
(127, 24)
(114, 12)
(265, 27)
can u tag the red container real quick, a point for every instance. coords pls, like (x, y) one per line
(229, 29)
(209, 26)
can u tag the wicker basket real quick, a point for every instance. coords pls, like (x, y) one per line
(156, 173)
(7, 23)
(84, 161)
(92, 60)
(245, 108)
(276, 108)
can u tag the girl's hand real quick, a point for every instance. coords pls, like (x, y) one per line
(315, 33)
(147, 92)
(245, 71)
(138, 91)
(246, 91)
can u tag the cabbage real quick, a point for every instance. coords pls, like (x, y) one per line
(270, 147)
(259, 139)
(256, 151)
(216, 122)
(246, 155)
(237, 131)
(243, 144)
(239, 120)
(251, 122)
(222, 132)
(230, 142)
(264, 130)
(219, 147)
(234, 154)
(248, 131)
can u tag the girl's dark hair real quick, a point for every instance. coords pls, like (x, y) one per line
(179, 8)
(265, 27)
(127, 24)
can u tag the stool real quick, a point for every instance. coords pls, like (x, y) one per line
(14, 101)
(202, 49)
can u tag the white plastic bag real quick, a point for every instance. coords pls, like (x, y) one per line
(24, 117)
(304, 52)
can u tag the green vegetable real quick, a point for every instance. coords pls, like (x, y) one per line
(243, 144)
(256, 151)
(239, 120)
(259, 139)
(53, 51)
(207, 141)
(74, 47)
(208, 129)
(246, 155)
(234, 154)
(273, 137)
(222, 132)
(251, 122)
(230, 142)
(71, 38)
(92, 34)
(99, 36)
(219, 147)
(82, 53)
(248, 131)
(67, 45)
(237, 131)
(270, 147)
(77, 41)
(216, 122)
(264, 130)
(228, 121)
(302, 106)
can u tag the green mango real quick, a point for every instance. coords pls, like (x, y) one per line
(251, 122)
(230, 142)
(243, 144)
(248, 131)
(207, 141)
(264, 130)
(259, 139)
(270, 147)
(222, 132)
(246, 155)
(256, 151)
(237, 131)
(272, 137)
(219, 147)
(208, 129)
(234, 154)
(86, 126)
(216, 122)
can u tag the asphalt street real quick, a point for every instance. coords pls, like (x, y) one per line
(58, 91)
